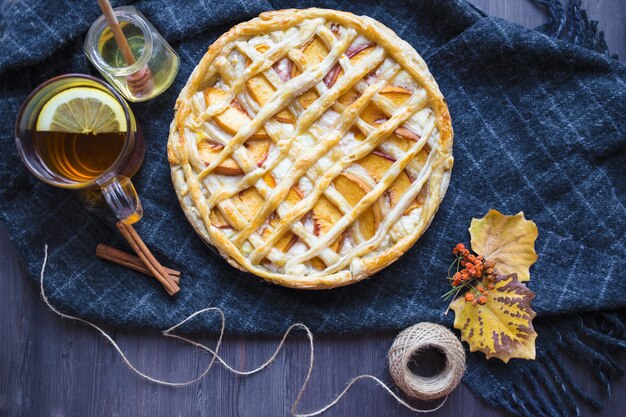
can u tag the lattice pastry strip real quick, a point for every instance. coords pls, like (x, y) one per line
(367, 67)
(368, 145)
(311, 147)
(335, 197)
(313, 107)
(304, 122)
(263, 189)
(303, 164)
(233, 215)
(380, 102)
(280, 99)
(308, 30)
(368, 200)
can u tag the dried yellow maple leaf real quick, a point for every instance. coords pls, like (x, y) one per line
(507, 240)
(502, 327)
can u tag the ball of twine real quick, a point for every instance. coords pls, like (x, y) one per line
(408, 345)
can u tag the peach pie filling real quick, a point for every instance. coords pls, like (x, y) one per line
(312, 148)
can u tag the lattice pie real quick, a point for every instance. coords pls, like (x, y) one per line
(311, 147)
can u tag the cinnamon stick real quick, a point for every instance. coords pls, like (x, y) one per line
(129, 261)
(142, 251)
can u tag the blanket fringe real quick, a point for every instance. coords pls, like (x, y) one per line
(574, 25)
(546, 386)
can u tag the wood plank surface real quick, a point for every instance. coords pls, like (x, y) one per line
(610, 13)
(55, 367)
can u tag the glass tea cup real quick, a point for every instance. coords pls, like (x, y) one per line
(93, 158)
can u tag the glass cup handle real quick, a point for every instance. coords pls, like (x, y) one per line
(123, 199)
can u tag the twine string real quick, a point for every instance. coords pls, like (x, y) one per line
(216, 357)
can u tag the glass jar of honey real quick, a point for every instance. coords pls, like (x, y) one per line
(156, 63)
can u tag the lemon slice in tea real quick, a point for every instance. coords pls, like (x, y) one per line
(82, 110)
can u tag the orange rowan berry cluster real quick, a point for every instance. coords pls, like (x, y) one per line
(490, 275)
(473, 266)
(472, 270)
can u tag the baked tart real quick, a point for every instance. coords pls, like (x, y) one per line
(311, 147)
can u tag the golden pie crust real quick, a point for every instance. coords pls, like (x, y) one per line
(311, 147)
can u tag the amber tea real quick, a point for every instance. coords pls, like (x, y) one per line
(79, 157)
(79, 133)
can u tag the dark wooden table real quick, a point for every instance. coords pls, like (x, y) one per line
(55, 367)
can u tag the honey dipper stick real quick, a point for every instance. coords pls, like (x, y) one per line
(140, 82)
(120, 39)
